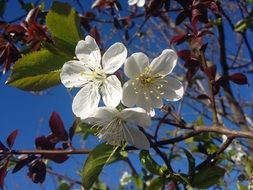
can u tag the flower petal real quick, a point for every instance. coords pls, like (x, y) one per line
(114, 58)
(141, 3)
(165, 63)
(132, 2)
(86, 101)
(144, 101)
(173, 90)
(135, 137)
(156, 100)
(135, 64)
(102, 114)
(128, 96)
(88, 52)
(111, 91)
(136, 115)
(71, 75)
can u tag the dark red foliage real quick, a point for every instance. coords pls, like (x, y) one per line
(3, 173)
(9, 53)
(104, 4)
(178, 39)
(86, 19)
(11, 138)
(57, 158)
(35, 33)
(37, 171)
(57, 127)
(210, 72)
(196, 11)
(44, 143)
(23, 161)
(95, 34)
(238, 78)
(72, 130)
(203, 97)
(156, 7)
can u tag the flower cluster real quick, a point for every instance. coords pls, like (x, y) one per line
(148, 84)
(139, 3)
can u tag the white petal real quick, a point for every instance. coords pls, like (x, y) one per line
(137, 116)
(128, 96)
(86, 101)
(71, 75)
(114, 58)
(174, 89)
(165, 63)
(136, 137)
(135, 64)
(141, 3)
(88, 52)
(104, 114)
(144, 101)
(132, 2)
(111, 91)
(156, 101)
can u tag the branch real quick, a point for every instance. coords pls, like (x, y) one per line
(44, 152)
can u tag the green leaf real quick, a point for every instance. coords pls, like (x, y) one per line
(37, 71)
(208, 176)
(64, 25)
(100, 156)
(138, 181)
(63, 186)
(240, 186)
(149, 163)
(191, 163)
(157, 184)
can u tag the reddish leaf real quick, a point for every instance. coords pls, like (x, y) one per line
(23, 162)
(95, 34)
(2, 146)
(37, 171)
(8, 55)
(3, 173)
(43, 143)
(181, 17)
(102, 4)
(178, 39)
(11, 138)
(57, 158)
(203, 97)
(57, 127)
(210, 72)
(184, 54)
(238, 78)
(72, 130)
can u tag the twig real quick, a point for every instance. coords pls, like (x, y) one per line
(44, 152)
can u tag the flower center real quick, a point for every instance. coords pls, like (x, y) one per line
(112, 132)
(149, 84)
(95, 75)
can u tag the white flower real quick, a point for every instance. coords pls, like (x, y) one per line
(125, 179)
(88, 73)
(236, 149)
(149, 83)
(116, 127)
(140, 3)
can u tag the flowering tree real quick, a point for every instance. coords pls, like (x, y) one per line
(161, 80)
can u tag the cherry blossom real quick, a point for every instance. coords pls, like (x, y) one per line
(93, 74)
